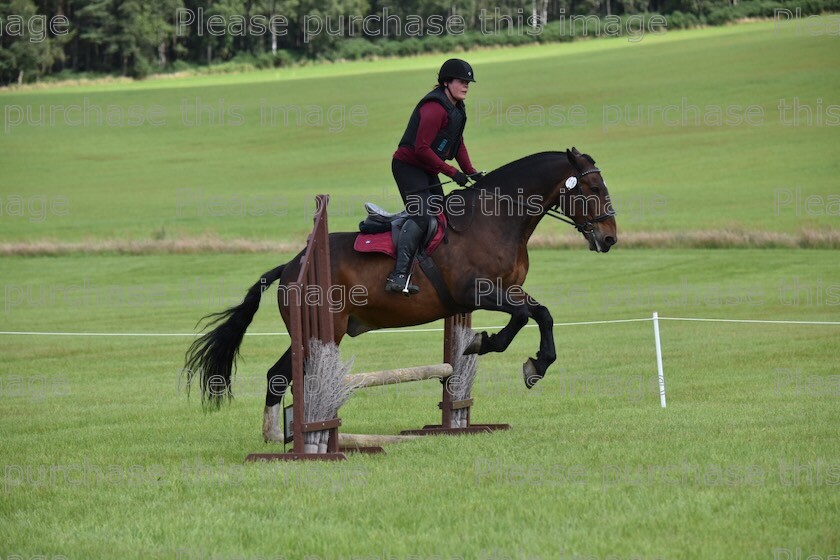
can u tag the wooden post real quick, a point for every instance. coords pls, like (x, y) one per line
(447, 404)
(402, 375)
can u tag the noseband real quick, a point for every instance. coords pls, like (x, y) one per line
(588, 226)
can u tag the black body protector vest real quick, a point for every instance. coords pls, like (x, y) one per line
(448, 140)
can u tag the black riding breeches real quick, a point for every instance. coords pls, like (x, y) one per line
(421, 192)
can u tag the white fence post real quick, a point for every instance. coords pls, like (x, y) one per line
(659, 359)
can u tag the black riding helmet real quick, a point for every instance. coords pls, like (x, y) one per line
(455, 68)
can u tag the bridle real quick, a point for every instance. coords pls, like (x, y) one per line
(588, 226)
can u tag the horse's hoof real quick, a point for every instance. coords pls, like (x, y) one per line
(530, 374)
(474, 346)
(271, 430)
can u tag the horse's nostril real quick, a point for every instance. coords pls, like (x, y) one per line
(609, 240)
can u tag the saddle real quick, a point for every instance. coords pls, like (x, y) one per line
(380, 230)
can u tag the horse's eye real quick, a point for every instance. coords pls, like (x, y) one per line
(596, 189)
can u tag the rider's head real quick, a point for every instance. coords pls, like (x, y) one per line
(455, 76)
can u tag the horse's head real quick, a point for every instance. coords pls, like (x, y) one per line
(585, 200)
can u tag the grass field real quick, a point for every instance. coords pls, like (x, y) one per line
(576, 475)
(743, 463)
(248, 178)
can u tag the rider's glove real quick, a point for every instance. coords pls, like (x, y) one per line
(460, 178)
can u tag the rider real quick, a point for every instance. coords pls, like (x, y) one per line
(433, 135)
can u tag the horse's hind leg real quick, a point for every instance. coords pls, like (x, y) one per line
(278, 379)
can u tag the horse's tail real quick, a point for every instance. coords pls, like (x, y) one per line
(213, 355)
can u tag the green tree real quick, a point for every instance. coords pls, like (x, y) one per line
(27, 51)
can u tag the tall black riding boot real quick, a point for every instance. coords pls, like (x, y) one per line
(411, 235)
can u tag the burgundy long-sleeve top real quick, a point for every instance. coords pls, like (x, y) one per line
(433, 118)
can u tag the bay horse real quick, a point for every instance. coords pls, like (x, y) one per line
(483, 264)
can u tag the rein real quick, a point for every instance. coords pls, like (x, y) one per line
(587, 227)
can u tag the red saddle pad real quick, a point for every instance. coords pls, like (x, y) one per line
(383, 242)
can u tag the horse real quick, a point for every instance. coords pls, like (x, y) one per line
(483, 264)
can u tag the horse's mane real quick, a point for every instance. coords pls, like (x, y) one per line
(514, 169)
(511, 173)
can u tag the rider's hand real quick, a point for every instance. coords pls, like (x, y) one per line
(460, 178)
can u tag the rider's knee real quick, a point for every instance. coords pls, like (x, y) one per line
(422, 222)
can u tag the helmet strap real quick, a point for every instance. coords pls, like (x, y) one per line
(451, 97)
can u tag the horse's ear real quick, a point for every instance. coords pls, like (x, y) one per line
(572, 160)
(575, 151)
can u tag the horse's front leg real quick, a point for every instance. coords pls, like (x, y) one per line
(520, 306)
(484, 343)
(534, 369)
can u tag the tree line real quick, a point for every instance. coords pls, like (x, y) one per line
(71, 38)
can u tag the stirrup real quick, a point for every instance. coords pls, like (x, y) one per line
(401, 284)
